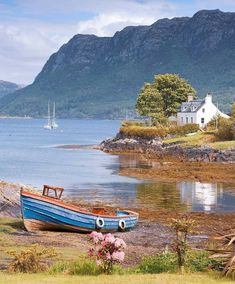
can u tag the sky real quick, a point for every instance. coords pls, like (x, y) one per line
(31, 30)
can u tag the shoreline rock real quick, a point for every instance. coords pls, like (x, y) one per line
(155, 148)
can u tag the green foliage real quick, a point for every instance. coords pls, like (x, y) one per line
(163, 97)
(225, 129)
(150, 102)
(31, 260)
(184, 129)
(198, 261)
(163, 262)
(182, 227)
(162, 131)
(195, 261)
(128, 123)
(233, 111)
(174, 90)
(81, 267)
(144, 132)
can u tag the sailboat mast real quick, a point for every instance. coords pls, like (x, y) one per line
(54, 112)
(49, 115)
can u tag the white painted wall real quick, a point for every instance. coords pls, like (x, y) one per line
(186, 117)
(203, 116)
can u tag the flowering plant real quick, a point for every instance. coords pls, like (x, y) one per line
(107, 250)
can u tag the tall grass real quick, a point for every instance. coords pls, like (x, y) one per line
(195, 261)
(150, 132)
(80, 267)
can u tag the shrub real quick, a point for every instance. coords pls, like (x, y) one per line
(80, 267)
(107, 250)
(184, 129)
(144, 132)
(150, 132)
(163, 262)
(128, 123)
(30, 260)
(197, 261)
(225, 130)
(182, 227)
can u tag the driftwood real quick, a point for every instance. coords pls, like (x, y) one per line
(226, 252)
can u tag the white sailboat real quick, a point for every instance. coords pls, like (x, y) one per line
(51, 122)
(54, 125)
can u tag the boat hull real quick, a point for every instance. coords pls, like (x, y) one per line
(45, 213)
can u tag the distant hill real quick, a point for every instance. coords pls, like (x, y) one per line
(8, 87)
(100, 77)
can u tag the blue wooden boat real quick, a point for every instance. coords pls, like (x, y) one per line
(47, 212)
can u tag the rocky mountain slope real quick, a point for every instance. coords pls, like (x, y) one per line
(94, 76)
(8, 87)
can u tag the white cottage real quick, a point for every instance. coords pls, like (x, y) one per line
(198, 111)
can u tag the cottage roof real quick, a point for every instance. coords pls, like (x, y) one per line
(192, 106)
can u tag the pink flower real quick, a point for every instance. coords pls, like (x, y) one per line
(108, 255)
(109, 238)
(103, 244)
(118, 256)
(119, 243)
(96, 237)
(107, 250)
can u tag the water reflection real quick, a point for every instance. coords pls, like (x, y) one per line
(204, 196)
(185, 196)
(158, 196)
(181, 197)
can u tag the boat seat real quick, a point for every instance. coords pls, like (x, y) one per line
(56, 190)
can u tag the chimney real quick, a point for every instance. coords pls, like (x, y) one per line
(190, 98)
(208, 98)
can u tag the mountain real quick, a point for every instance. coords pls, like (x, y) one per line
(94, 76)
(8, 87)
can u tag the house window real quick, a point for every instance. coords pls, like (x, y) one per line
(191, 119)
(186, 119)
(203, 110)
(202, 120)
(182, 120)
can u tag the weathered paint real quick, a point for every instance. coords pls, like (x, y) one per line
(45, 213)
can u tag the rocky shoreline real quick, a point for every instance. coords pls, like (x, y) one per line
(155, 148)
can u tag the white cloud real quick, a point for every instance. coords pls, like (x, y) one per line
(25, 47)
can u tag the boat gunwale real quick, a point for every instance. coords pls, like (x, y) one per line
(74, 207)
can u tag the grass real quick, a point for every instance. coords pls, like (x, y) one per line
(223, 145)
(200, 139)
(10, 227)
(194, 140)
(195, 278)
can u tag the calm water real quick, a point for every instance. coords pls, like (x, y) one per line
(28, 155)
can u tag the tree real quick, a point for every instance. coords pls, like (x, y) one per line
(233, 121)
(163, 96)
(150, 103)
